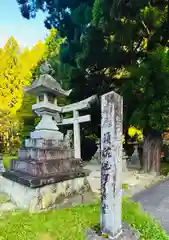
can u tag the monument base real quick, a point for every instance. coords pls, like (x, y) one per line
(38, 196)
(127, 233)
(47, 134)
(40, 181)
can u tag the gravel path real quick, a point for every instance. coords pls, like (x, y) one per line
(156, 201)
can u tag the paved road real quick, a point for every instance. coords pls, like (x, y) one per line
(156, 201)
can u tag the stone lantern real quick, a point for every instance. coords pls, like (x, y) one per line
(47, 90)
(46, 158)
(135, 159)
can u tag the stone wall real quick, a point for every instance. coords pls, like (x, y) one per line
(43, 198)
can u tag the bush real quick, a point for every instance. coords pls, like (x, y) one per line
(164, 168)
(6, 160)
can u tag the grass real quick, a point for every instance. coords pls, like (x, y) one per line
(149, 229)
(125, 186)
(69, 224)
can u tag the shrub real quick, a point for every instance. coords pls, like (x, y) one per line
(6, 160)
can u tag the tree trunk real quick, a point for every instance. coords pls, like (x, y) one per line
(151, 153)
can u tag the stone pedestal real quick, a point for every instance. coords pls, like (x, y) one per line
(45, 174)
(46, 134)
(42, 162)
(44, 197)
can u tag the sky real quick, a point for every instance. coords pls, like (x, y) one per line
(26, 32)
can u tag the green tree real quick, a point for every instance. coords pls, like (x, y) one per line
(26, 115)
(139, 41)
(49, 49)
(146, 94)
(15, 73)
(116, 48)
(66, 16)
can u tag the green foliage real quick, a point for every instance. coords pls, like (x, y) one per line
(51, 49)
(150, 92)
(125, 186)
(9, 126)
(135, 134)
(81, 15)
(97, 13)
(15, 73)
(6, 160)
(68, 17)
(164, 169)
(26, 115)
(118, 47)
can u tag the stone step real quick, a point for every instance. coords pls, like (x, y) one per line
(44, 154)
(42, 168)
(35, 182)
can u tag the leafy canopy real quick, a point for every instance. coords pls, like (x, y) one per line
(112, 45)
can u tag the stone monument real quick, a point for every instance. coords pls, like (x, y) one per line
(111, 164)
(111, 171)
(134, 162)
(47, 158)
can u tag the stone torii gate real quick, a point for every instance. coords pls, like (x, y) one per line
(76, 120)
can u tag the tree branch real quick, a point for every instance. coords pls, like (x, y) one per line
(146, 28)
